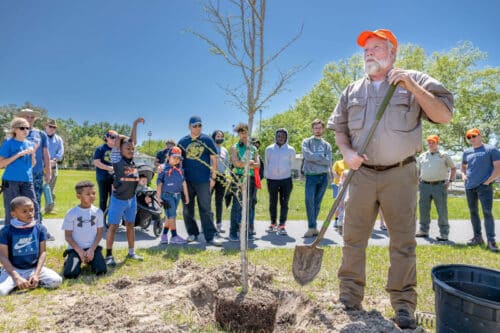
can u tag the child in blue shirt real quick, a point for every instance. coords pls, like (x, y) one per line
(123, 203)
(17, 156)
(22, 251)
(170, 185)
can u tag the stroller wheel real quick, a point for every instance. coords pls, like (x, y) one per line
(157, 226)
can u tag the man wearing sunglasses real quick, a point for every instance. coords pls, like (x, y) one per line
(56, 152)
(480, 168)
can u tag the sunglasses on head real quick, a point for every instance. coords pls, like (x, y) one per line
(196, 125)
(471, 136)
(22, 128)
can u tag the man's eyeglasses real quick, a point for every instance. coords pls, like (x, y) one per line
(112, 137)
(196, 126)
(22, 128)
(471, 136)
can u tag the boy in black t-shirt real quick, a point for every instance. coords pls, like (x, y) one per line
(123, 202)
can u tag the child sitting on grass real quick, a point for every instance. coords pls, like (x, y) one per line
(171, 184)
(83, 228)
(22, 251)
(123, 203)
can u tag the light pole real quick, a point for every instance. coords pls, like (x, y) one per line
(149, 141)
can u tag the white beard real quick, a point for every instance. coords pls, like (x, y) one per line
(376, 65)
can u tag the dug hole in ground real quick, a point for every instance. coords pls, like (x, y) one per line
(184, 299)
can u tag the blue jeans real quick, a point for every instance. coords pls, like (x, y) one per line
(315, 189)
(335, 190)
(201, 191)
(38, 185)
(236, 208)
(13, 189)
(485, 195)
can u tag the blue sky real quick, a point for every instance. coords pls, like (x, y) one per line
(114, 60)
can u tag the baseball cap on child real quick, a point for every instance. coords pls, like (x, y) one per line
(175, 152)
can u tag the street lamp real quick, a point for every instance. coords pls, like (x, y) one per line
(149, 141)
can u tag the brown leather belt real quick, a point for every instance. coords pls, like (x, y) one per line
(433, 183)
(406, 161)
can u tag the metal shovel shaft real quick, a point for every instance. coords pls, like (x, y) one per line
(340, 195)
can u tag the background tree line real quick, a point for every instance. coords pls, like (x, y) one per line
(476, 92)
(475, 87)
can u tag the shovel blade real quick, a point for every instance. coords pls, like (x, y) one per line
(306, 263)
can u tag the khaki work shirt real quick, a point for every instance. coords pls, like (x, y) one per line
(434, 166)
(399, 133)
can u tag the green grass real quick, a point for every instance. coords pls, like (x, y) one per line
(278, 260)
(66, 199)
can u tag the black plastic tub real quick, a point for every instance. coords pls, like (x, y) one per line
(467, 299)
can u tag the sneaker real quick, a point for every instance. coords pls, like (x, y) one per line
(134, 256)
(219, 228)
(404, 320)
(164, 239)
(422, 234)
(215, 242)
(252, 232)
(50, 237)
(191, 238)
(383, 227)
(311, 232)
(442, 238)
(110, 261)
(250, 236)
(177, 240)
(476, 241)
(234, 238)
(49, 208)
(492, 246)
(271, 228)
(282, 231)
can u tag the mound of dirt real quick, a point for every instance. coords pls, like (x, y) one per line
(184, 299)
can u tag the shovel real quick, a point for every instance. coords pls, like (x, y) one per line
(307, 259)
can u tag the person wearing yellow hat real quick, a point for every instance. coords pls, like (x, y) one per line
(436, 172)
(480, 168)
(386, 175)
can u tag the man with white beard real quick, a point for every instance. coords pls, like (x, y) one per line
(386, 174)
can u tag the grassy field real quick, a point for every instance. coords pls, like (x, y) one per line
(278, 259)
(66, 199)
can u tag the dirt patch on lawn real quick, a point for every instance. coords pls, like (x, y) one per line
(184, 300)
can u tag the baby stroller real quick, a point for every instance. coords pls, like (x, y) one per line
(149, 210)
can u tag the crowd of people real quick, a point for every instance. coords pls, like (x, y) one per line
(387, 178)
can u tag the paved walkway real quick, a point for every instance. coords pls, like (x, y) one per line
(460, 233)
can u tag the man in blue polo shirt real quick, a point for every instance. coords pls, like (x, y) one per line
(200, 169)
(480, 168)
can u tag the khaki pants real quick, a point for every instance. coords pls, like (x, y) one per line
(395, 191)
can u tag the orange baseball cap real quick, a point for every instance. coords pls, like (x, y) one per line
(434, 138)
(471, 132)
(380, 33)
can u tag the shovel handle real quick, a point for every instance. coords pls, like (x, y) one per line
(340, 195)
